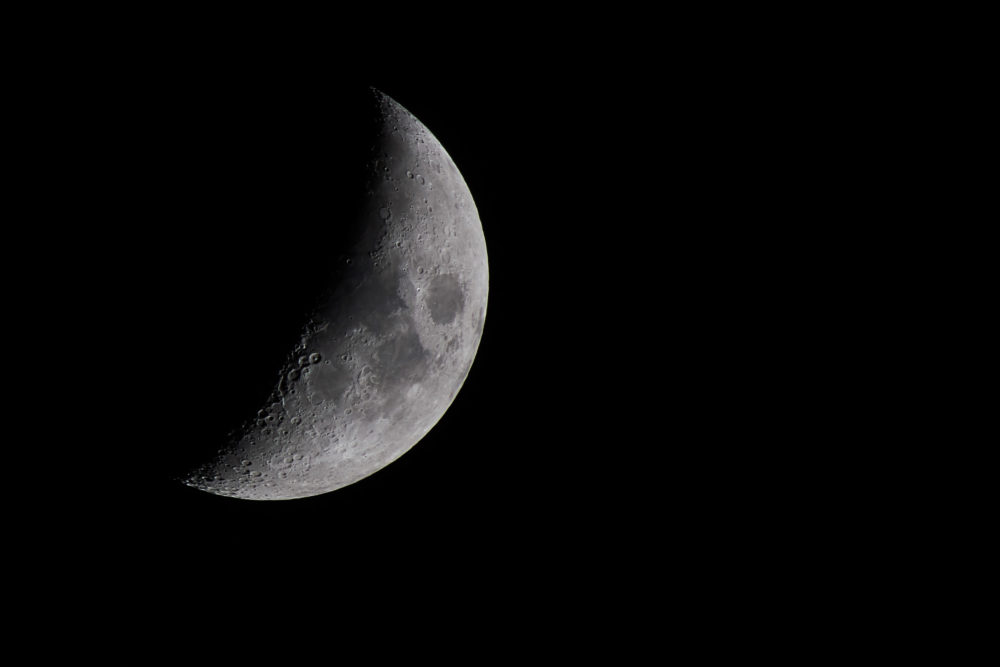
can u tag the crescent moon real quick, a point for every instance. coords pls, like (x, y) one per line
(385, 351)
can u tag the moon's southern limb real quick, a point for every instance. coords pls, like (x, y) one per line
(387, 348)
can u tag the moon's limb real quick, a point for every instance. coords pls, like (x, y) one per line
(387, 350)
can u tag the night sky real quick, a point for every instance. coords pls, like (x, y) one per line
(524, 451)
(639, 420)
(536, 466)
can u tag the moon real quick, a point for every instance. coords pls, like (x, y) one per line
(388, 344)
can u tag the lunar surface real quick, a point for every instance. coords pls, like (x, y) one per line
(387, 346)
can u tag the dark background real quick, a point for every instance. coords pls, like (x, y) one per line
(535, 466)
(659, 414)
(636, 428)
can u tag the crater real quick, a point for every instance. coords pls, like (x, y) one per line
(331, 382)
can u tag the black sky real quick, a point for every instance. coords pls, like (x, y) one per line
(525, 455)
(542, 463)
(640, 409)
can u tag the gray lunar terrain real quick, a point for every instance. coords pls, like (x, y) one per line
(385, 352)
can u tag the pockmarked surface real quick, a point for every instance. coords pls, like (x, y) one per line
(389, 345)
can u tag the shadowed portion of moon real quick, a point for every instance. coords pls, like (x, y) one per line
(269, 193)
(340, 334)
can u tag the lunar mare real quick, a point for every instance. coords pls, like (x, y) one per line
(386, 350)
